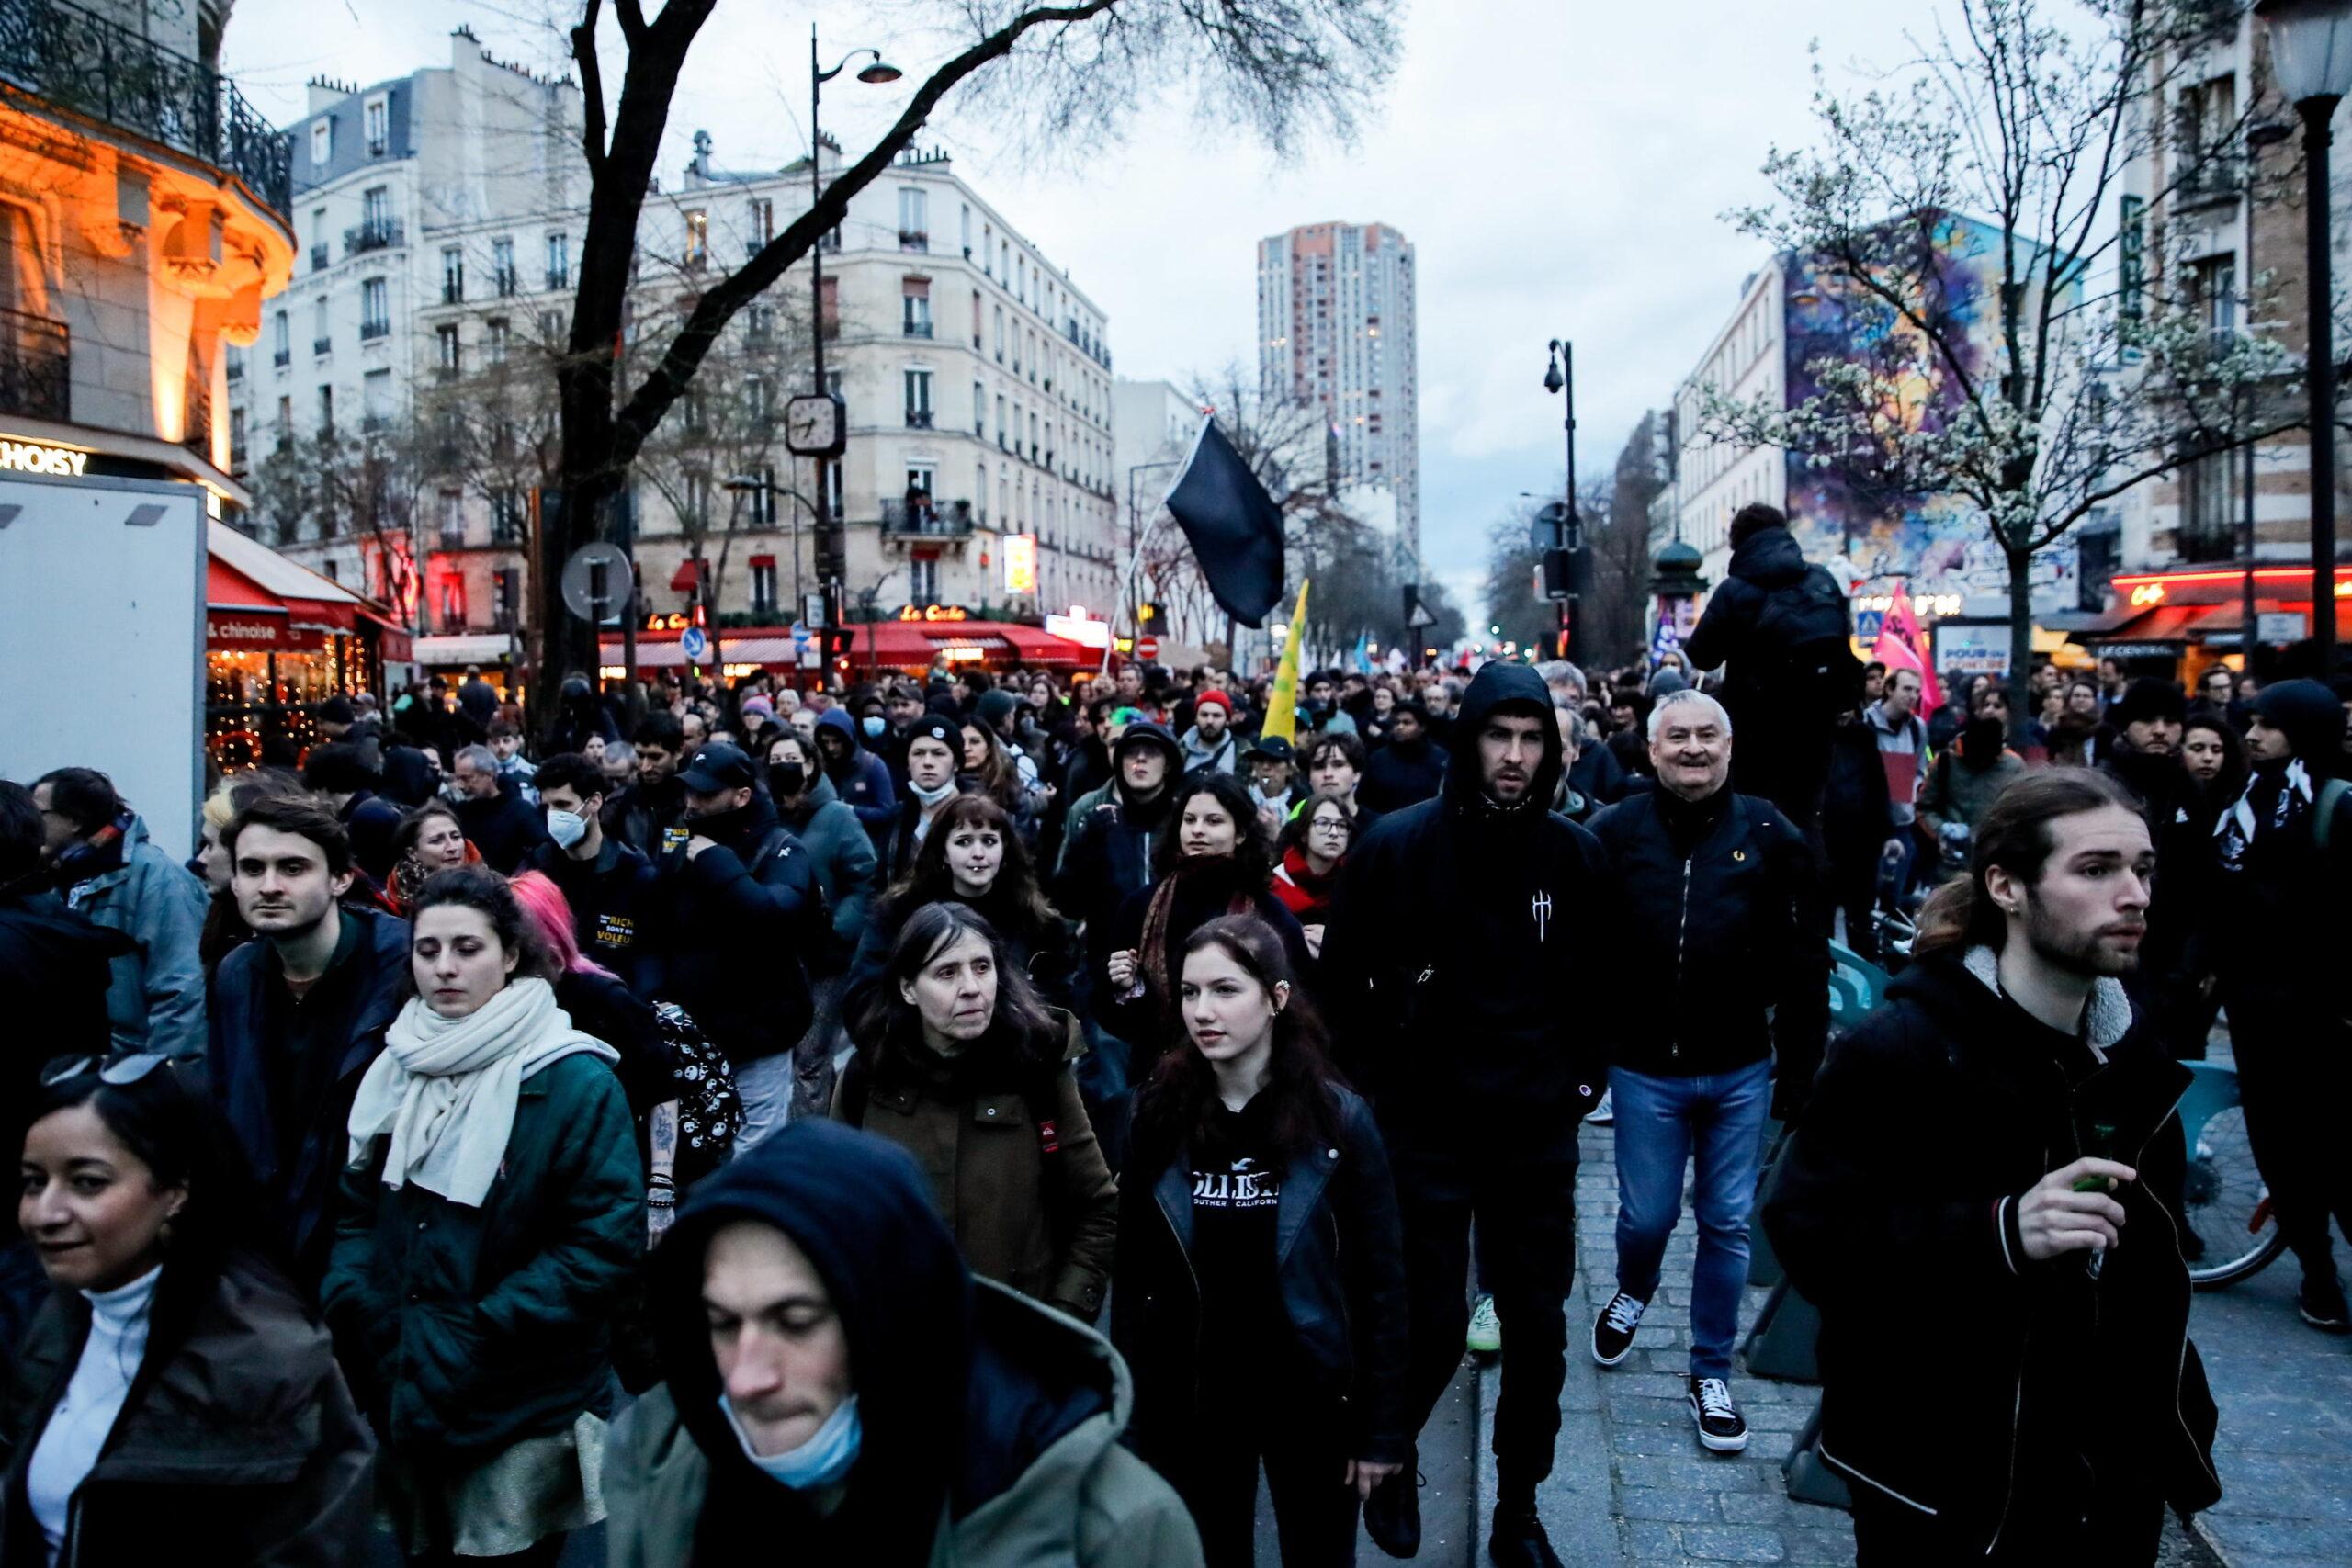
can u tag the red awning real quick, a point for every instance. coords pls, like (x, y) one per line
(892, 645)
(759, 562)
(257, 601)
(683, 579)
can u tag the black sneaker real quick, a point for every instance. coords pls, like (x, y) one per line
(1721, 1428)
(1518, 1540)
(2322, 1303)
(1392, 1514)
(1612, 1331)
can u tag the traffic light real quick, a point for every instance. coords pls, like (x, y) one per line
(1559, 575)
(1147, 613)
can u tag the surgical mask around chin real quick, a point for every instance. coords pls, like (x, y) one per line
(566, 827)
(873, 725)
(823, 1460)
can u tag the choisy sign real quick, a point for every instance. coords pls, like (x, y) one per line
(37, 457)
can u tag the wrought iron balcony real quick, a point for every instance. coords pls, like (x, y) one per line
(320, 259)
(321, 347)
(370, 331)
(36, 364)
(917, 419)
(375, 234)
(927, 519)
(917, 329)
(83, 63)
(914, 239)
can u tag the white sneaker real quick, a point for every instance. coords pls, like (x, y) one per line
(1486, 1336)
(1605, 1113)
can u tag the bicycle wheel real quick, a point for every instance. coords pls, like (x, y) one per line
(2228, 1232)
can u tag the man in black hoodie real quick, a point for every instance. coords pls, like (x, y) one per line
(2279, 931)
(54, 961)
(2167, 988)
(838, 1387)
(1457, 922)
(1106, 856)
(744, 908)
(1784, 628)
(1408, 768)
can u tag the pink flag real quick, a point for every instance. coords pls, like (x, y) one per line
(1902, 645)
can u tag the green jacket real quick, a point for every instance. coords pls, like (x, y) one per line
(474, 1328)
(1086, 1500)
(1957, 793)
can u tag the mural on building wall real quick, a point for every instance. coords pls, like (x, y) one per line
(1847, 513)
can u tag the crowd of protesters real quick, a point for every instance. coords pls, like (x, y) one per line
(990, 1120)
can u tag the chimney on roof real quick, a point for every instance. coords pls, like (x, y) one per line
(699, 166)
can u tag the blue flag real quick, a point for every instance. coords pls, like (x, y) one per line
(1234, 526)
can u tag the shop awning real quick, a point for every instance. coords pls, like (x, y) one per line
(461, 648)
(892, 645)
(247, 577)
(683, 579)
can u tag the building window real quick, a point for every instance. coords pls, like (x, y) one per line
(922, 581)
(2208, 507)
(506, 590)
(558, 261)
(914, 219)
(448, 352)
(509, 517)
(756, 410)
(915, 307)
(759, 323)
(980, 410)
(453, 275)
(551, 332)
(281, 341)
(918, 399)
(997, 326)
(322, 141)
(376, 400)
(495, 334)
(697, 500)
(2215, 287)
(375, 119)
(237, 440)
(830, 485)
(375, 308)
(965, 235)
(322, 327)
(977, 318)
(698, 239)
(763, 589)
(502, 266)
(763, 224)
(1000, 419)
(285, 422)
(760, 502)
(326, 410)
(453, 604)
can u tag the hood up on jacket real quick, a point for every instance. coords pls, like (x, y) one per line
(1517, 687)
(837, 718)
(961, 1386)
(1147, 732)
(1769, 559)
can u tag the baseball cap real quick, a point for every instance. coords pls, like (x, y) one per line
(719, 766)
(1273, 747)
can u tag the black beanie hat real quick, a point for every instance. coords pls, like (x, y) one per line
(2310, 713)
(2147, 698)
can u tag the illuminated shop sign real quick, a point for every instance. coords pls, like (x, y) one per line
(37, 457)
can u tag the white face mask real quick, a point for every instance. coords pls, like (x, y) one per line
(566, 827)
(823, 1460)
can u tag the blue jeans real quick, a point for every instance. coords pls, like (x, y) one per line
(1661, 1122)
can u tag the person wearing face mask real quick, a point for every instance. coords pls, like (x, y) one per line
(1107, 852)
(493, 1212)
(840, 1388)
(174, 1391)
(1721, 986)
(2279, 931)
(847, 871)
(860, 778)
(1261, 1266)
(611, 888)
(973, 856)
(1212, 860)
(959, 1064)
(1966, 777)
(746, 912)
(934, 751)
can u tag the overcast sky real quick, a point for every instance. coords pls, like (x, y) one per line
(1560, 166)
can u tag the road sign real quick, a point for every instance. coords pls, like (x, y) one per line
(695, 643)
(1146, 648)
(596, 583)
(1420, 617)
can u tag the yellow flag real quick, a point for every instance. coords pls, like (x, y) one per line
(1282, 704)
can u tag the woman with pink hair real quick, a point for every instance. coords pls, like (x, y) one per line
(599, 1004)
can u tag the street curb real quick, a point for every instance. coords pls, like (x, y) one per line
(2205, 1536)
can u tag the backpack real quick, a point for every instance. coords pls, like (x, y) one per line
(1804, 651)
(2331, 796)
(709, 1110)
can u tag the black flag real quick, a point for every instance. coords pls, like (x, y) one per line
(1235, 527)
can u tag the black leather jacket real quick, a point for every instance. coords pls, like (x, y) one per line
(1341, 1272)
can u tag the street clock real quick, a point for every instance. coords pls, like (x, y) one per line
(815, 427)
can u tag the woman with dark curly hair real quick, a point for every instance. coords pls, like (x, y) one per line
(960, 1064)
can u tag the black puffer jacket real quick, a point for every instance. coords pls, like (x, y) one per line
(1456, 922)
(1703, 945)
(1783, 729)
(1895, 1213)
(1340, 1270)
(741, 914)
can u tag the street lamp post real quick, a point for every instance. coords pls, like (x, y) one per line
(2310, 57)
(1560, 375)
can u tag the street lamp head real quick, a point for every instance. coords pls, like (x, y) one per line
(742, 482)
(1552, 380)
(880, 71)
(2267, 133)
(2311, 48)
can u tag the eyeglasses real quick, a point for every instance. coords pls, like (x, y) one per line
(118, 1071)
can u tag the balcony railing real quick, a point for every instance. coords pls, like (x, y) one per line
(82, 62)
(453, 291)
(236, 369)
(375, 234)
(370, 331)
(927, 519)
(36, 364)
(321, 347)
(2215, 177)
(917, 419)
(320, 258)
(917, 329)
(913, 240)
(282, 359)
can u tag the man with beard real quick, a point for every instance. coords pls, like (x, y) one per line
(2279, 933)
(649, 815)
(1209, 745)
(298, 1014)
(745, 908)
(1986, 1190)
(1456, 919)
(497, 820)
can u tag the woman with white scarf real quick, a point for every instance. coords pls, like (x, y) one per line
(494, 1217)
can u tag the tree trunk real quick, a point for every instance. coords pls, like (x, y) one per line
(2020, 627)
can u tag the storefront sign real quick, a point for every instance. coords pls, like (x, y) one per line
(1021, 563)
(2282, 626)
(935, 613)
(1975, 650)
(1081, 629)
(2135, 650)
(243, 631)
(38, 458)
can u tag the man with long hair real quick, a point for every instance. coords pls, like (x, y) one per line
(1984, 1199)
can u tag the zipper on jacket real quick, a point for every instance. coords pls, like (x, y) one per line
(1682, 945)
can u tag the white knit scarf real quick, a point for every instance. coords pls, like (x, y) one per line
(445, 1089)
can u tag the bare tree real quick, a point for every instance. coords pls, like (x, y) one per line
(1274, 66)
(367, 484)
(1616, 573)
(2025, 114)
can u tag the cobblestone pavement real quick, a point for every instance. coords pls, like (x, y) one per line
(1633, 1487)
